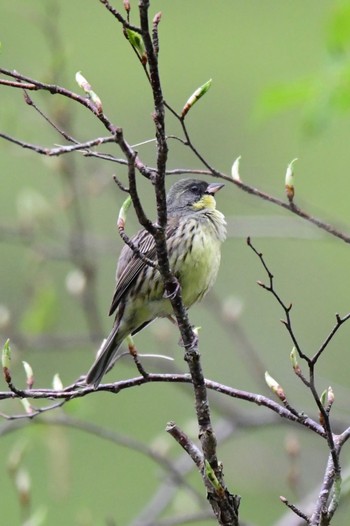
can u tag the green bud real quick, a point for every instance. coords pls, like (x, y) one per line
(122, 213)
(293, 359)
(97, 101)
(212, 477)
(85, 86)
(136, 41)
(327, 398)
(323, 397)
(195, 96)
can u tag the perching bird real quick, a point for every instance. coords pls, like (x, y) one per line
(195, 230)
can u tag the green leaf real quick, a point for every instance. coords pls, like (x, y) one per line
(285, 96)
(136, 41)
(338, 30)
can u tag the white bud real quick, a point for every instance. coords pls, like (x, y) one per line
(57, 383)
(22, 482)
(289, 181)
(235, 170)
(33, 208)
(75, 282)
(232, 308)
(82, 82)
(5, 316)
(28, 370)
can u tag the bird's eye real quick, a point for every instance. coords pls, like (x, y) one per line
(195, 189)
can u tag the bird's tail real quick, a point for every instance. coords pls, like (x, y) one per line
(105, 358)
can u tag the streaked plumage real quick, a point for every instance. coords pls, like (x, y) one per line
(194, 233)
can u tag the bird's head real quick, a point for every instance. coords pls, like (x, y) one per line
(192, 194)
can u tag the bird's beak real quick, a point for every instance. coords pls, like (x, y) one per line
(214, 187)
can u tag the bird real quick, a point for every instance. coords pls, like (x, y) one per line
(194, 232)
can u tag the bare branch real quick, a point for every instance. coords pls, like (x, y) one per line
(59, 150)
(339, 323)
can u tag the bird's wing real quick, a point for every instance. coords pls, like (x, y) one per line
(130, 265)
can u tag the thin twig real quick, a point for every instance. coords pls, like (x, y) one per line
(286, 308)
(295, 510)
(59, 150)
(339, 323)
(64, 134)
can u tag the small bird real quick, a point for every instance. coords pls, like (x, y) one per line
(194, 233)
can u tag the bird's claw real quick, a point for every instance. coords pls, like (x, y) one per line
(193, 344)
(170, 294)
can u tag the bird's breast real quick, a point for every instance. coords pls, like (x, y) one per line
(198, 264)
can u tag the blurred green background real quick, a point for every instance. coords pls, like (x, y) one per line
(281, 79)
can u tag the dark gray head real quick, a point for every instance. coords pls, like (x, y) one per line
(191, 195)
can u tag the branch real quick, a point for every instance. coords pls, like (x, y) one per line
(332, 479)
(59, 150)
(77, 391)
(225, 506)
(286, 308)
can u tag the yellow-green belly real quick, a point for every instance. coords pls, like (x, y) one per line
(195, 263)
(198, 271)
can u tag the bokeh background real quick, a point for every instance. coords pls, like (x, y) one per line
(280, 91)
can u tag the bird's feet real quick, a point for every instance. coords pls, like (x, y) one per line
(172, 289)
(194, 340)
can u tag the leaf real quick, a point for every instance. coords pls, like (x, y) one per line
(285, 96)
(338, 30)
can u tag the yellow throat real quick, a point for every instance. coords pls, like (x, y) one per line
(207, 201)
